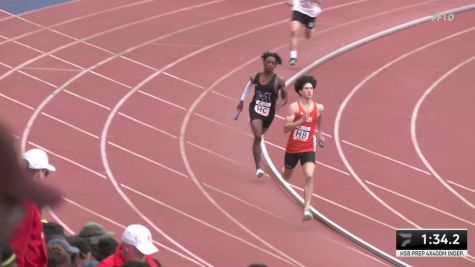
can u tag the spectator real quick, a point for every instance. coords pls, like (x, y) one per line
(85, 257)
(93, 232)
(52, 228)
(57, 257)
(105, 248)
(136, 245)
(27, 240)
(63, 243)
(16, 187)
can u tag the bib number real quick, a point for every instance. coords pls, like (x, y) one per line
(301, 133)
(262, 108)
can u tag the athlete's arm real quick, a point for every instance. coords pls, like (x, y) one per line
(320, 137)
(289, 120)
(283, 91)
(245, 93)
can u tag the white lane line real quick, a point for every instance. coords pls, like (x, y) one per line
(148, 126)
(161, 100)
(178, 45)
(183, 80)
(247, 203)
(413, 125)
(50, 69)
(70, 125)
(461, 186)
(17, 102)
(110, 79)
(147, 159)
(38, 79)
(453, 216)
(86, 99)
(215, 154)
(386, 157)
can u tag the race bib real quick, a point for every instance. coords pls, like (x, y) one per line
(262, 108)
(301, 133)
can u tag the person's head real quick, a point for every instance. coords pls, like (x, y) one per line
(137, 243)
(57, 256)
(305, 85)
(85, 249)
(38, 163)
(51, 229)
(93, 232)
(60, 240)
(270, 60)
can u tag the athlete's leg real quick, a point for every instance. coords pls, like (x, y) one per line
(295, 28)
(290, 160)
(287, 173)
(308, 171)
(308, 33)
(258, 131)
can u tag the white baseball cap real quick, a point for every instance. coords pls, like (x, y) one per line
(140, 237)
(38, 159)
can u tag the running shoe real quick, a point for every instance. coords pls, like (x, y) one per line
(259, 173)
(293, 61)
(307, 215)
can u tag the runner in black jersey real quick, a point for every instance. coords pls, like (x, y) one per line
(267, 86)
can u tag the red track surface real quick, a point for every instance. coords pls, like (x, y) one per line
(134, 102)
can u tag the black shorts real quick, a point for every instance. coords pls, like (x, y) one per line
(291, 160)
(306, 20)
(266, 121)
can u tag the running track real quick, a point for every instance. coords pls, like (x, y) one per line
(136, 113)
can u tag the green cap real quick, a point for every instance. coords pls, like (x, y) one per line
(93, 232)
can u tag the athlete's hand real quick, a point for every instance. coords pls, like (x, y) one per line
(240, 105)
(321, 141)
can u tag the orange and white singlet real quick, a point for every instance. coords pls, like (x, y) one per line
(302, 138)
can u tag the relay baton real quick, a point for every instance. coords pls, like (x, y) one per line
(236, 116)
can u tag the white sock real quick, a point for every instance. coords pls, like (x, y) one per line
(293, 54)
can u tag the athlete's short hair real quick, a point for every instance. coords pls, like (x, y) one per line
(301, 81)
(267, 54)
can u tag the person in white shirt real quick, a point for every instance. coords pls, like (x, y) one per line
(304, 13)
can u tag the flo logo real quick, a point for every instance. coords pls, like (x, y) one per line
(406, 240)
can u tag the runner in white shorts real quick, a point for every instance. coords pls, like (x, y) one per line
(304, 13)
